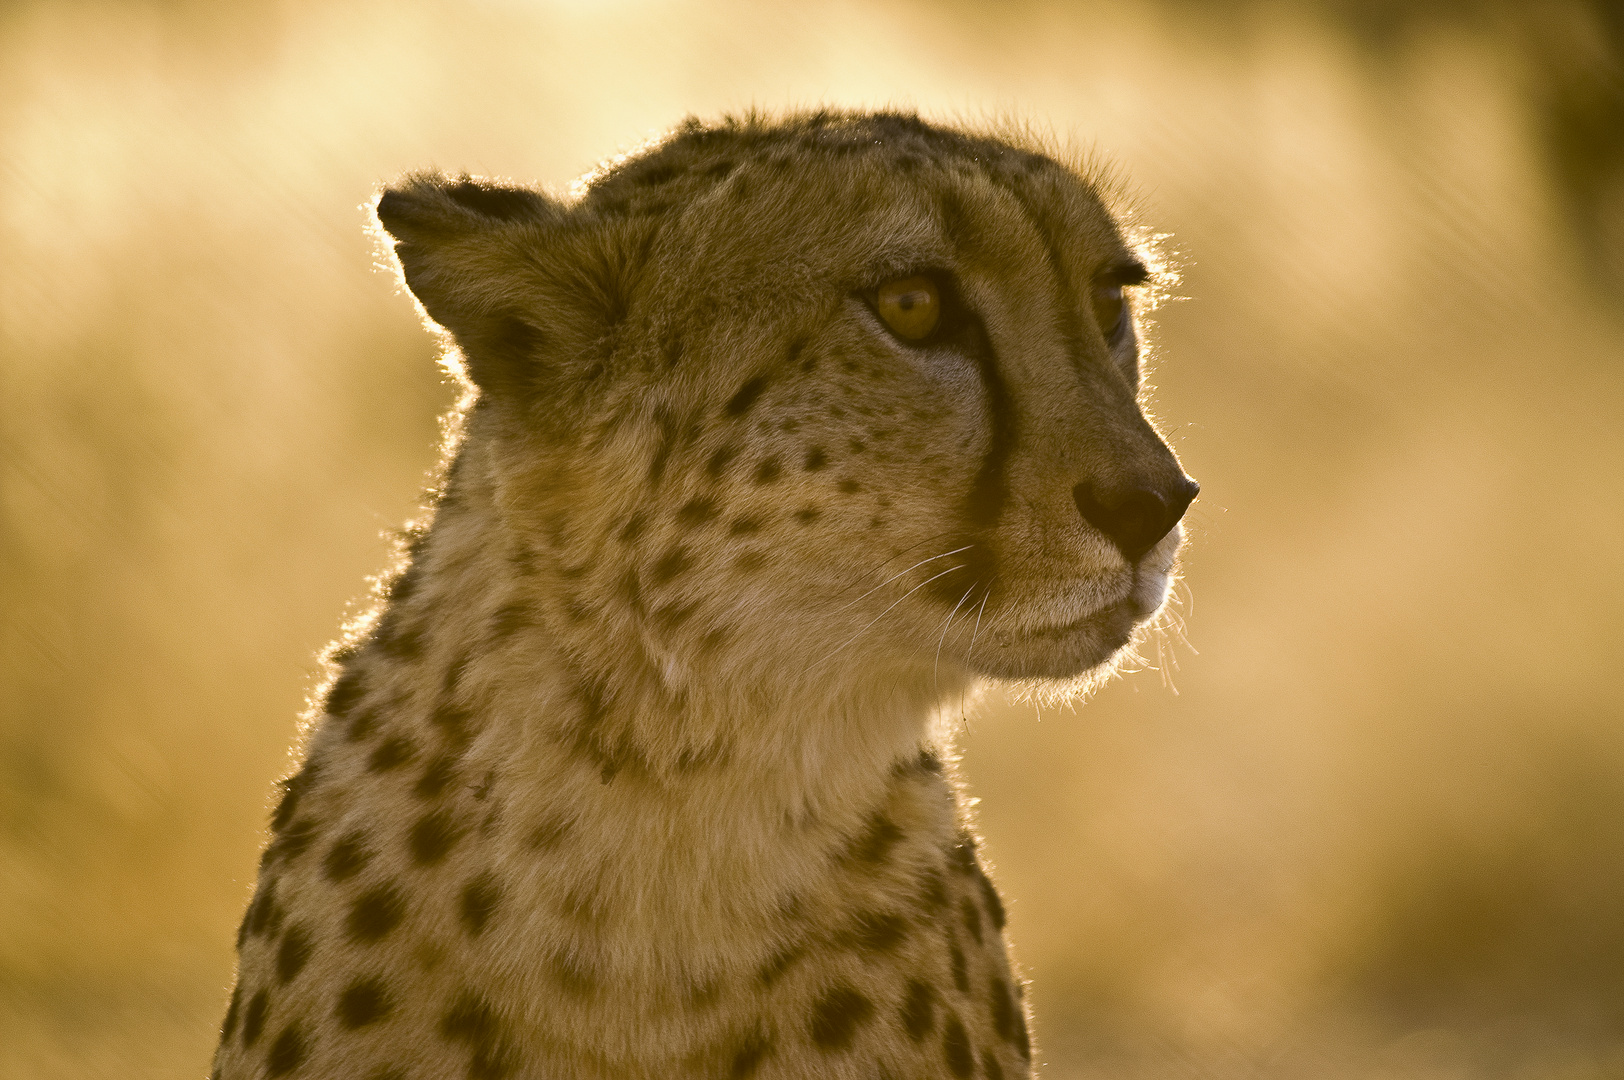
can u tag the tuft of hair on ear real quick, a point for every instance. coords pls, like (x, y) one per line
(457, 240)
(425, 207)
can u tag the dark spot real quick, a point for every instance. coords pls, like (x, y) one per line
(260, 916)
(745, 526)
(671, 618)
(749, 1056)
(482, 790)
(510, 619)
(662, 454)
(546, 836)
(789, 425)
(1006, 1014)
(929, 762)
(404, 585)
(674, 563)
(932, 890)
(229, 1026)
(767, 471)
(587, 738)
(972, 918)
(293, 954)
(632, 589)
(990, 1066)
(451, 720)
(391, 754)
(718, 463)
(815, 459)
(793, 353)
(837, 1016)
(472, 1022)
(808, 514)
(876, 841)
(479, 899)
(253, 1020)
(287, 1052)
(292, 843)
(348, 857)
(850, 487)
(696, 512)
(364, 1002)
(346, 691)
(655, 175)
(995, 906)
(362, 724)
(961, 970)
(374, 913)
(572, 974)
(632, 529)
(877, 932)
(433, 837)
(780, 962)
(956, 1046)
(750, 561)
(740, 403)
(439, 775)
(293, 789)
(919, 1010)
(857, 446)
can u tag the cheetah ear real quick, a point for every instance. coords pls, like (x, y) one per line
(457, 242)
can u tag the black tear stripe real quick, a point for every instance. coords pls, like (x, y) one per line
(984, 503)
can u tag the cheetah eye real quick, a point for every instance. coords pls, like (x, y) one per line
(1109, 311)
(910, 306)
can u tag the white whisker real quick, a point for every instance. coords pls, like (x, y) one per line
(970, 653)
(887, 611)
(915, 566)
(936, 670)
(894, 556)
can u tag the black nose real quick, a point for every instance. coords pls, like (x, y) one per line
(1135, 517)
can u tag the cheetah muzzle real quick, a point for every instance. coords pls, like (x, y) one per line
(778, 438)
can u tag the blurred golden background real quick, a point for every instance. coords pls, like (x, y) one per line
(1378, 831)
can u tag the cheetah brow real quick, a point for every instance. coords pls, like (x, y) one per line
(887, 611)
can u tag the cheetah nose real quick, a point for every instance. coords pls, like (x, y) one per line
(1136, 517)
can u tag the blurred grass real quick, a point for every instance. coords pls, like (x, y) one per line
(1379, 832)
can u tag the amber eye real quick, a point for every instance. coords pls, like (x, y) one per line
(1108, 310)
(911, 306)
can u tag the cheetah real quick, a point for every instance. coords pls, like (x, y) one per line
(780, 437)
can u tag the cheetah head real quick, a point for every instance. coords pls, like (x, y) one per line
(772, 393)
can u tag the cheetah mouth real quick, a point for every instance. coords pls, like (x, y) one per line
(1110, 621)
(1065, 649)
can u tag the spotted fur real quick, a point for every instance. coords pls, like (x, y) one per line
(639, 769)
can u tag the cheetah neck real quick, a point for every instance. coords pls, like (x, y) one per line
(700, 806)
